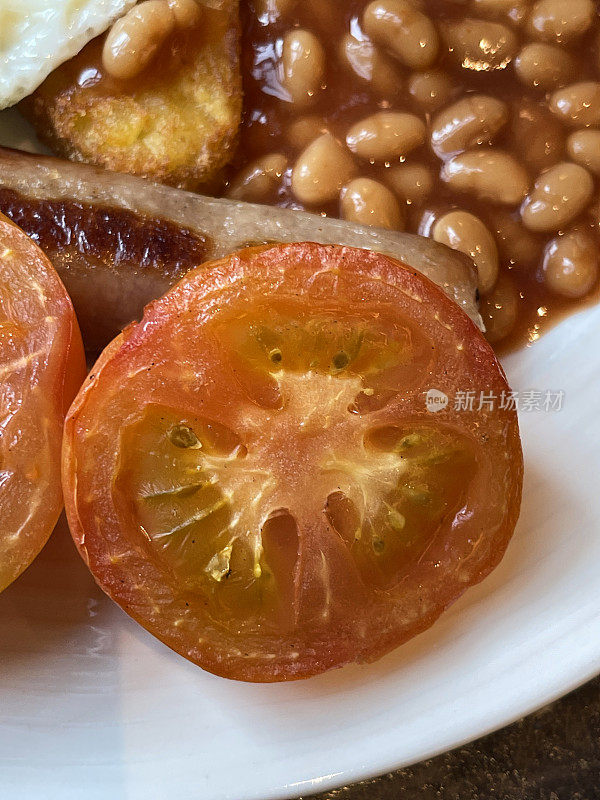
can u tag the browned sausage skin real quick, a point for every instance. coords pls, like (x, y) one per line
(119, 241)
(111, 260)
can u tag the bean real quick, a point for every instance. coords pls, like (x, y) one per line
(578, 104)
(303, 65)
(321, 170)
(186, 13)
(536, 135)
(369, 202)
(489, 174)
(411, 182)
(430, 89)
(404, 30)
(386, 136)
(260, 180)
(134, 39)
(570, 264)
(500, 309)
(465, 232)
(304, 130)
(472, 120)
(584, 147)
(558, 195)
(515, 10)
(544, 66)
(371, 66)
(515, 243)
(560, 20)
(481, 45)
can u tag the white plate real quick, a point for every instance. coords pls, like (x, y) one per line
(94, 707)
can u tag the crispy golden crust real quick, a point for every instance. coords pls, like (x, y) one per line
(176, 123)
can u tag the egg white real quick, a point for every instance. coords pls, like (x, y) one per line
(36, 36)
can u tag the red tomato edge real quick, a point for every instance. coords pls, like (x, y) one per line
(73, 368)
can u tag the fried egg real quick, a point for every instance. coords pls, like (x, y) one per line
(38, 35)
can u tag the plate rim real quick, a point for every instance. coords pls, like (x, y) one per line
(350, 777)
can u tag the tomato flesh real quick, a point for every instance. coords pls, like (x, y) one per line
(252, 473)
(41, 368)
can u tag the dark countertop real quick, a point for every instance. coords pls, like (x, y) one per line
(553, 754)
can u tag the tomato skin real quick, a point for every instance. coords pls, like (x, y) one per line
(142, 368)
(43, 366)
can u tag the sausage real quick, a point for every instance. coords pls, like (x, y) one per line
(119, 241)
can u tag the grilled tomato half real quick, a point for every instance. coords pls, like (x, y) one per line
(263, 471)
(41, 367)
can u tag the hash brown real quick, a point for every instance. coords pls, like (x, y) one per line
(176, 122)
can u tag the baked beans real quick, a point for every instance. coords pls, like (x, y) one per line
(544, 66)
(302, 66)
(369, 202)
(578, 104)
(513, 10)
(386, 136)
(304, 130)
(500, 309)
(134, 40)
(535, 135)
(584, 148)
(518, 246)
(481, 45)
(400, 27)
(463, 231)
(412, 183)
(571, 264)
(474, 122)
(560, 21)
(186, 13)
(558, 196)
(321, 170)
(371, 65)
(259, 182)
(488, 174)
